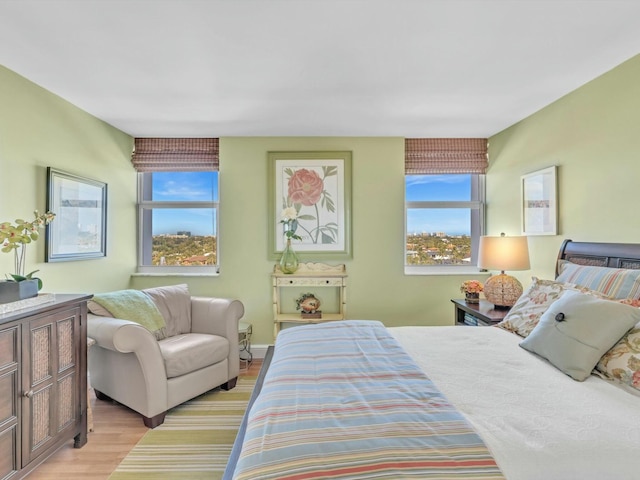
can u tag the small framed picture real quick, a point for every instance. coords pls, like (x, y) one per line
(539, 202)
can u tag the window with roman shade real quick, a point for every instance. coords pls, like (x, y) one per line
(444, 203)
(177, 204)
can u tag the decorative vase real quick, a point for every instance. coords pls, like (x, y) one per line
(472, 297)
(14, 291)
(289, 259)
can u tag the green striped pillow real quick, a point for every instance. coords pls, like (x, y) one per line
(613, 282)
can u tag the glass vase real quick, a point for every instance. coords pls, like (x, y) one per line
(289, 259)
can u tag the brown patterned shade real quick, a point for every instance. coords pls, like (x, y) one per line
(445, 155)
(176, 154)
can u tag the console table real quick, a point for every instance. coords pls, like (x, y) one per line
(309, 275)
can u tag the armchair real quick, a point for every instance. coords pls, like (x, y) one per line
(151, 372)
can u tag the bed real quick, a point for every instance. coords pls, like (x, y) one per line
(354, 399)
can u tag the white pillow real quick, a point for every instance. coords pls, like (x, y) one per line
(578, 329)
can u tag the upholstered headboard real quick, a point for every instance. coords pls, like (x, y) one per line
(612, 255)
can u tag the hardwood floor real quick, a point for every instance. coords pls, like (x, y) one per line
(116, 430)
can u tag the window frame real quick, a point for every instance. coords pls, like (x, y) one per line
(145, 234)
(476, 203)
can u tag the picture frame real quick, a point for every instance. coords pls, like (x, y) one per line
(79, 231)
(539, 202)
(323, 209)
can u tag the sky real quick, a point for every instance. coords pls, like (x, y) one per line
(203, 186)
(442, 188)
(184, 186)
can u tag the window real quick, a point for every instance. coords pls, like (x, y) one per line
(444, 203)
(178, 221)
(444, 219)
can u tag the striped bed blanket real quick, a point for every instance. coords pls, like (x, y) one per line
(343, 400)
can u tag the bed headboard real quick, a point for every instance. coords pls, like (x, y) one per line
(613, 255)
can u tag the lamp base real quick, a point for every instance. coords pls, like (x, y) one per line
(502, 290)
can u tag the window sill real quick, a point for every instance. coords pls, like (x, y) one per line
(174, 274)
(443, 270)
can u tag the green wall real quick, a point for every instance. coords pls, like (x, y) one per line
(593, 136)
(376, 287)
(39, 129)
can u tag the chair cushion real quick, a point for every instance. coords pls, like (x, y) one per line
(189, 352)
(174, 303)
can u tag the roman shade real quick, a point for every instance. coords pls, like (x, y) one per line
(445, 155)
(176, 154)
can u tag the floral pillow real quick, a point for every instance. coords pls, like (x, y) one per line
(622, 361)
(526, 313)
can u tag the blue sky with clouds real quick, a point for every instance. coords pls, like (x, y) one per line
(203, 186)
(442, 188)
(189, 187)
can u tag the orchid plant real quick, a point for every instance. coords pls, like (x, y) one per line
(16, 237)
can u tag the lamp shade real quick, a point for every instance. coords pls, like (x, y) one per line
(503, 253)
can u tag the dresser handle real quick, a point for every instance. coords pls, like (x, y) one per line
(29, 394)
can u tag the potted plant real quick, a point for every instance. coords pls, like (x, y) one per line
(15, 237)
(471, 290)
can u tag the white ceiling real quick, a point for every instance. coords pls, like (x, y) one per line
(413, 68)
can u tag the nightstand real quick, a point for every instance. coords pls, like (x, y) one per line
(478, 314)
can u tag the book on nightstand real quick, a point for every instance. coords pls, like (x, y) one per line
(470, 320)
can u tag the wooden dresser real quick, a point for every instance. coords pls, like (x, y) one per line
(43, 382)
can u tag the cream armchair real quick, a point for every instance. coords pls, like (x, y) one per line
(196, 352)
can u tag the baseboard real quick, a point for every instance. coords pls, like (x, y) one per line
(259, 351)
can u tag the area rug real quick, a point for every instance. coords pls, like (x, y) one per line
(195, 440)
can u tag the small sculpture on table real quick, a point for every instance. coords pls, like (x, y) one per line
(309, 306)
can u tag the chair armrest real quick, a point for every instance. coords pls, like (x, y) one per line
(119, 335)
(216, 316)
(126, 338)
(219, 316)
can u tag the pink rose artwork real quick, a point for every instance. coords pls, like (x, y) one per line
(307, 192)
(305, 187)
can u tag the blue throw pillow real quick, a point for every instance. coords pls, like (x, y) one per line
(578, 329)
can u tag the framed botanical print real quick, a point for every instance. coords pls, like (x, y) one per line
(315, 189)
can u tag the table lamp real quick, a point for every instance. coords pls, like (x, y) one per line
(503, 253)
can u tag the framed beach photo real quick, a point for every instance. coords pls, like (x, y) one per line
(539, 202)
(80, 229)
(318, 186)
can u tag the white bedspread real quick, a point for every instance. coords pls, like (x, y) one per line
(538, 423)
